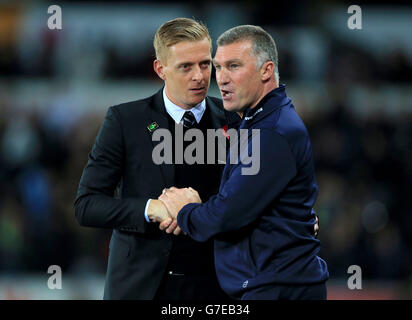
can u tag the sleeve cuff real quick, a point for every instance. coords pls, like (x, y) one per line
(183, 216)
(145, 211)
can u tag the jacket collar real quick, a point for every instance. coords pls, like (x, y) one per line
(269, 103)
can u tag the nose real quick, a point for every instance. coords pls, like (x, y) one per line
(222, 77)
(197, 74)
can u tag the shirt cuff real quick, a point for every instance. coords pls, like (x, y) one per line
(145, 211)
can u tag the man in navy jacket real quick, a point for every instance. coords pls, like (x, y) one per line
(262, 223)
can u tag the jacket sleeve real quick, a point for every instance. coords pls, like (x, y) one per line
(95, 205)
(242, 198)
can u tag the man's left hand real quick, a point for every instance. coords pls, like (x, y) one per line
(175, 199)
(316, 227)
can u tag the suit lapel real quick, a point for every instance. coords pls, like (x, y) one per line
(158, 118)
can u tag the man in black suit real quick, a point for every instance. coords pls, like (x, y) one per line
(145, 262)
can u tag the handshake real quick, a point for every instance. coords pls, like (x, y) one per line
(166, 208)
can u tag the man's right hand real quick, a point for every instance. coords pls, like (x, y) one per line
(157, 211)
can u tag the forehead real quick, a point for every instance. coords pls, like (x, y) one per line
(189, 51)
(235, 51)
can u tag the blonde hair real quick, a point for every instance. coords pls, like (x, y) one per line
(178, 30)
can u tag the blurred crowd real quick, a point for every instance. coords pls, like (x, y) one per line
(363, 165)
(42, 158)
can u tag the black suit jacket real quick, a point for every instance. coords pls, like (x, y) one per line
(122, 157)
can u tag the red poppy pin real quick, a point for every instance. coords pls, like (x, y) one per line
(225, 127)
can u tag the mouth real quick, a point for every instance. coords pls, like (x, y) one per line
(226, 94)
(197, 90)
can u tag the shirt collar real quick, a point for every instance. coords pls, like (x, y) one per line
(177, 112)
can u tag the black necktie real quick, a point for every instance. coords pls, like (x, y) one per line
(188, 119)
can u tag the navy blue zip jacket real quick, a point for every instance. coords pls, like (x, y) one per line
(263, 223)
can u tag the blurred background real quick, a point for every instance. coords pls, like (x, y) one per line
(351, 87)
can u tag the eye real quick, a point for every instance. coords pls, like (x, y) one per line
(185, 67)
(205, 65)
(217, 67)
(234, 66)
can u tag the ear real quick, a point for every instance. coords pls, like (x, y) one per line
(267, 70)
(158, 68)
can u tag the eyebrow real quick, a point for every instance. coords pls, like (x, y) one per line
(183, 63)
(191, 63)
(228, 62)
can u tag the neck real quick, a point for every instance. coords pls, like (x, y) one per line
(266, 89)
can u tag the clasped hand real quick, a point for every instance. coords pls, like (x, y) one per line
(174, 200)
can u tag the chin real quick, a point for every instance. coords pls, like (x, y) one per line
(196, 102)
(229, 106)
(196, 98)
